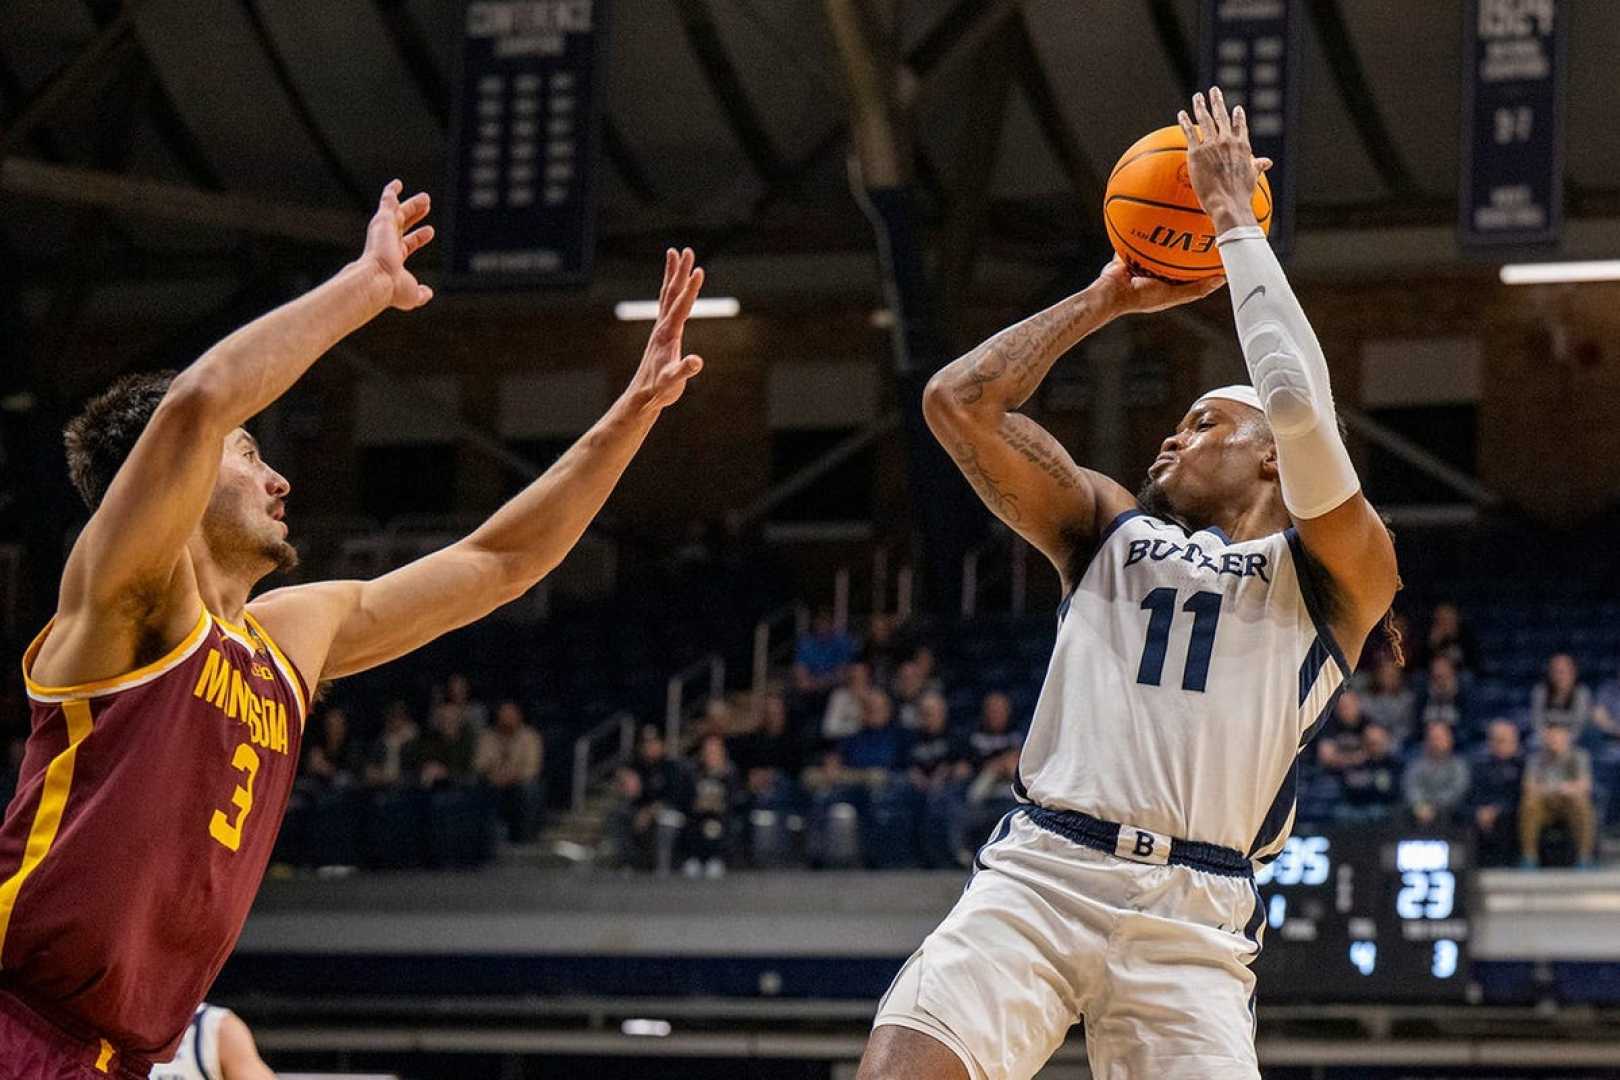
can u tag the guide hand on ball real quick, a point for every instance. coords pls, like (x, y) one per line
(1220, 164)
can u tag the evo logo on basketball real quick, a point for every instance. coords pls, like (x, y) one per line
(1178, 240)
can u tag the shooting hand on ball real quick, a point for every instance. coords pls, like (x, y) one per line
(1220, 162)
(1126, 293)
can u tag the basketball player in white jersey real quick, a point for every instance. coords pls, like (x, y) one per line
(217, 1046)
(1209, 623)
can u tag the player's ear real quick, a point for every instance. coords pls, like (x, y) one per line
(1268, 461)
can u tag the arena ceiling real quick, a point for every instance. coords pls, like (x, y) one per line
(726, 122)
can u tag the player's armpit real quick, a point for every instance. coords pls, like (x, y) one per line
(1355, 549)
(1025, 476)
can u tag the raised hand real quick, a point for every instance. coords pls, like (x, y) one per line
(664, 371)
(1220, 163)
(1129, 294)
(391, 238)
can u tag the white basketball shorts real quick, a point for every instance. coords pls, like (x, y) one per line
(1155, 959)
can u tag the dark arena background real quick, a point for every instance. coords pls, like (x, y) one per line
(689, 879)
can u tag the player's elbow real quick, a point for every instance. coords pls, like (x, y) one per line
(944, 407)
(195, 401)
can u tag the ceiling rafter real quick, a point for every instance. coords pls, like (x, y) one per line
(1333, 34)
(324, 147)
(416, 54)
(703, 36)
(100, 60)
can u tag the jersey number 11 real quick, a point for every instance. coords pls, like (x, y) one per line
(1206, 611)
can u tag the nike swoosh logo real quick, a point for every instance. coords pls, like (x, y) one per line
(1258, 290)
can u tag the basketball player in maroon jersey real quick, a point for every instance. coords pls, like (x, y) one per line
(167, 708)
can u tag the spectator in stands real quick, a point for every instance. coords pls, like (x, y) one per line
(908, 692)
(935, 757)
(879, 747)
(847, 704)
(457, 697)
(334, 760)
(1557, 787)
(1450, 637)
(928, 668)
(1340, 746)
(395, 754)
(1560, 699)
(716, 795)
(1443, 699)
(449, 751)
(882, 649)
(510, 757)
(1606, 705)
(770, 757)
(821, 656)
(994, 747)
(1436, 782)
(937, 762)
(665, 783)
(629, 831)
(1373, 788)
(995, 736)
(1497, 780)
(1389, 700)
(718, 719)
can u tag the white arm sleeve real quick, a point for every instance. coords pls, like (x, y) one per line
(1289, 374)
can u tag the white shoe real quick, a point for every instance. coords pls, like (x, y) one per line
(692, 868)
(714, 869)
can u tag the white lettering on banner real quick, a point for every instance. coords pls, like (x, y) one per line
(527, 18)
(1515, 18)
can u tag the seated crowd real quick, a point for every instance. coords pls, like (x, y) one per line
(861, 762)
(395, 795)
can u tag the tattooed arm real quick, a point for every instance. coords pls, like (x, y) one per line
(1021, 472)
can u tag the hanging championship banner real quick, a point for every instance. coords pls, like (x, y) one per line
(1513, 125)
(1249, 48)
(523, 142)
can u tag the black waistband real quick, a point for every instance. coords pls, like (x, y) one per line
(1103, 836)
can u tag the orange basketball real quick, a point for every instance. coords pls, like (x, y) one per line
(1155, 221)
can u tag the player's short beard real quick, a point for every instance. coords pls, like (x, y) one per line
(1154, 499)
(282, 554)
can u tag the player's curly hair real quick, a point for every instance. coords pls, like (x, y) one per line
(102, 435)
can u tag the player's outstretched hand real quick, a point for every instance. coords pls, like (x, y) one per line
(664, 371)
(1220, 164)
(392, 237)
(1135, 294)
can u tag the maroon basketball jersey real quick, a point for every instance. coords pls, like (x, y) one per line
(145, 813)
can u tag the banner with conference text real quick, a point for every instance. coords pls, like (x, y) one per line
(523, 142)
(1513, 127)
(1250, 49)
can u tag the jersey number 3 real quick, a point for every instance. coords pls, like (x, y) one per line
(220, 827)
(1206, 611)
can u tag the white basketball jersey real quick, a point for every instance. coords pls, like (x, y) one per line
(198, 1056)
(1188, 675)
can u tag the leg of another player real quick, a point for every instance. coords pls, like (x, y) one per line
(902, 1053)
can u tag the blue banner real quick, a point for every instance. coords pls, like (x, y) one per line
(523, 142)
(1513, 125)
(1250, 49)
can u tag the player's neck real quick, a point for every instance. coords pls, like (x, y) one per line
(1264, 518)
(224, 589)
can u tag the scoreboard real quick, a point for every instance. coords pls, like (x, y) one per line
(1366, 914)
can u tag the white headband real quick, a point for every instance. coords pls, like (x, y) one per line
(1243, 395)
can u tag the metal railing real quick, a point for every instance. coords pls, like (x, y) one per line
(1004, 553)
(767, 643)
(676, 711)
(587, 770)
